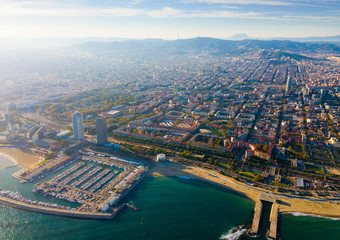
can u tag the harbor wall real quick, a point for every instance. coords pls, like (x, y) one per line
(54, 211)
(257, 217)
(274, 217)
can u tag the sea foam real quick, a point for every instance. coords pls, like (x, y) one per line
(234, 233)
(298, 214)
(8, 158)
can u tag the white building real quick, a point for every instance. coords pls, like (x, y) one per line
(161, 157)
(78, 126)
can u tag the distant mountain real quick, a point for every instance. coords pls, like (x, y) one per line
(202, 45)
(331, 39)
(24, 43)
(240, 36)
(296, 47)
(39, 43)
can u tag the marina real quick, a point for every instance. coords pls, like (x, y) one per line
(77, 174)
(64, 174)
(102, 182)
(95, 180)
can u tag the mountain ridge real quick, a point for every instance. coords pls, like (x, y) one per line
(206, 45)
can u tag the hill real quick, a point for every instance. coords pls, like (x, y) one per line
(202, 45)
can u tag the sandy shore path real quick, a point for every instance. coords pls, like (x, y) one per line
(23, 159)
(287, 203)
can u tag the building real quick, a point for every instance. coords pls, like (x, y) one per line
(8, 114)
(38, 134)
(289, 84)
(78, 126)
(161, 157)
(323, 93)
(31, 132)
(101, 130)
(63, 135)
(300, 182)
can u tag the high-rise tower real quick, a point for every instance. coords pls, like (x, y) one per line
(101, 130)
(78, 126)
(289, 84)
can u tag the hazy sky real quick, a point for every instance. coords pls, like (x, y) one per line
(168, 19)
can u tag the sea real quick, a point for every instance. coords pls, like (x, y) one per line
(171, 208)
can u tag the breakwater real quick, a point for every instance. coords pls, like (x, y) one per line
(274, 217)
(57, 212)
(257, 217)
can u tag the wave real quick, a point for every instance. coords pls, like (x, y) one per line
(234, 233)
(299, 214)
(8, 158)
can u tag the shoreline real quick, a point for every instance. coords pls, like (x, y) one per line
(287, 203)
(22, 159)
(10, 158)
(301, 214)
(160, 170)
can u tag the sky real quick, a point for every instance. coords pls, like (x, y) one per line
(167, 19)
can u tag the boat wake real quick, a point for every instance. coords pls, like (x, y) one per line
(297, 214)
(234, 233)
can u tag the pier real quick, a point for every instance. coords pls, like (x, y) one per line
(57, 212)
(257, 217)
(274, 217)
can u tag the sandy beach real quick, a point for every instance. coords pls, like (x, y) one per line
(23, 159)
(287, 203)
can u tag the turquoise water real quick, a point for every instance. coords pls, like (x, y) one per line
(170, 208)
(307, 227)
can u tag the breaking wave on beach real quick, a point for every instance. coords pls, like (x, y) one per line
(8, 158)
(234, 233)
(299, 214)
